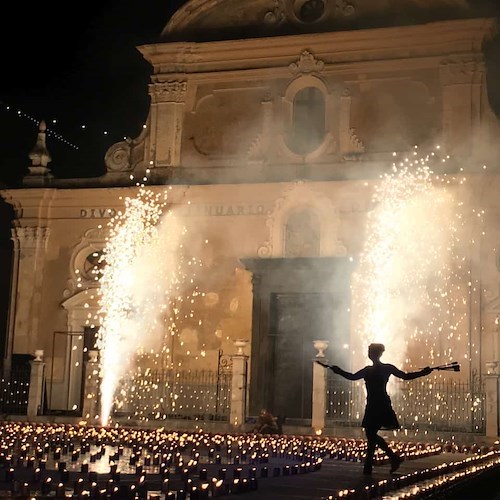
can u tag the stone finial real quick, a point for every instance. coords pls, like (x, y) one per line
(40, 156)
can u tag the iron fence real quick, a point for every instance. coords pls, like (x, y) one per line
(14, 391)
(161, 394)
(425, 404)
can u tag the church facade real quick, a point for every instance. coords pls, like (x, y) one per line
(270, 125)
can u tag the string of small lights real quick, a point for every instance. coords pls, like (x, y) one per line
(50, 131)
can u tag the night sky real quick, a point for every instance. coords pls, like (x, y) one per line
(76, 64)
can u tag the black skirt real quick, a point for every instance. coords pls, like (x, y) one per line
(380, 415)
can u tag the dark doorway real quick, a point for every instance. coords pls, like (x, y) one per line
(295, 301)
(297, 319)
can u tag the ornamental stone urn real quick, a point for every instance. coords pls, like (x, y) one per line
(320, 346)
(38, 355)
(240, 344)
(491, 367)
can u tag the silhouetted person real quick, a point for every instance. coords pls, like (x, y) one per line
(379, 413)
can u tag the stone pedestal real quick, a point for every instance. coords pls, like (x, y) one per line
(319, 395)
(37, 382)
(319, 387)
(492, 392)
(238, 387)
(90, 409)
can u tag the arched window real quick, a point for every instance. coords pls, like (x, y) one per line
(302, 235)
(308, 120)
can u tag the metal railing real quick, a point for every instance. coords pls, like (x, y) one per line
(190, 394)
(427, 404)
(14, 391)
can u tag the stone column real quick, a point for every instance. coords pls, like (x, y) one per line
(492, 392)
(90, 408)
(37, 383)
(319, 387)
(238, 407)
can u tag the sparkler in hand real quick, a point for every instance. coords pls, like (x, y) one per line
(454, 366)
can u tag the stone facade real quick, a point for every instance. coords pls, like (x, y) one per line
(223, 133)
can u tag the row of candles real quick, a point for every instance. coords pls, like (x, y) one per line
(50, 457)
(148, 458)
(425, 483)
(140, 488)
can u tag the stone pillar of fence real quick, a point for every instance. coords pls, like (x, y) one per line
(492, 393)
(90, 408)
(319, 387)
(37, 383)
(238, 409)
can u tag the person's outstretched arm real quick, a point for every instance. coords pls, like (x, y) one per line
(410, 375)
(348, 375)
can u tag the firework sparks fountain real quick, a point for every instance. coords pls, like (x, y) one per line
(141, 286)
(403, 287)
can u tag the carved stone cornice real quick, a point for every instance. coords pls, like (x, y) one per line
(171, 91)
(30, 236)
(456, 71)
(306, 63)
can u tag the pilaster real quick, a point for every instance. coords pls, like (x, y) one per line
(462, 82)
(169, 100)
(30, 244)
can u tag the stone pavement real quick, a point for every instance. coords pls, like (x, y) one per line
(336, 475)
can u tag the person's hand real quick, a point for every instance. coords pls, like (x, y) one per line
(322, 364)
(426, 370)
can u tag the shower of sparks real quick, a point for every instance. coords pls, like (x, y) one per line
(409, 287)
(412, 290)
(144, 288)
